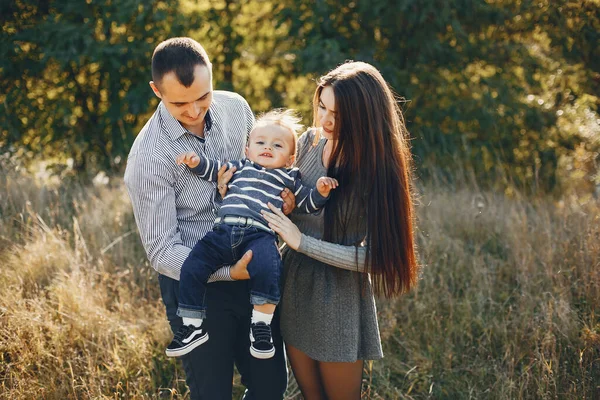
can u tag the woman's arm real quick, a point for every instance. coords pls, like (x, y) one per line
(351, 258)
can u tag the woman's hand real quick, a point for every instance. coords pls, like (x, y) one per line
(223, 177)
(283, 226)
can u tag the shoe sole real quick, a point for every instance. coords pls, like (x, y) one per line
(263, 355)
(187, 349)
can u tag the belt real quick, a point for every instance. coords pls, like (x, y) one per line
(244, 221)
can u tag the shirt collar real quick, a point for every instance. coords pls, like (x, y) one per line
(174, 128)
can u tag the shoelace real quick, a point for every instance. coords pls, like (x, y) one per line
(261, 332)
(183, 332)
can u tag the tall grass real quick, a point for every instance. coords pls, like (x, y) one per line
(507, 305)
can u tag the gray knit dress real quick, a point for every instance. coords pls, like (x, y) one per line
(325, 311)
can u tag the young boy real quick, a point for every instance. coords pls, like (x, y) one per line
(259, 179)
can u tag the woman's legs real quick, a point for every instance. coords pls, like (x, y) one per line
(325, 380)
(306, 372)
(342, 380)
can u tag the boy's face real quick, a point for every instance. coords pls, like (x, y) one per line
(271, 146)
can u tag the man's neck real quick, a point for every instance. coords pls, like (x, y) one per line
(196, 130)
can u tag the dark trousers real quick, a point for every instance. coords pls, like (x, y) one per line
(209, 368)
(224, 245)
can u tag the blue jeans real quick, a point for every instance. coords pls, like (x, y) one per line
(225, 244)
(209, 368)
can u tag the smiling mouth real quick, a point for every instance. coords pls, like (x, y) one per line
(326, 130)
(265, 155)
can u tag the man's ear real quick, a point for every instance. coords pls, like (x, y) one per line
(291, 161)
(155, 90)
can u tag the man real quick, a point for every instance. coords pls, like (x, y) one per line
(174, 208)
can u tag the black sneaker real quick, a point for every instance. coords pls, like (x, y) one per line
(186, 339)
(261, 343)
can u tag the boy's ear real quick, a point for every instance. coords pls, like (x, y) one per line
(291, 161)
(246, 152)
(155, 90)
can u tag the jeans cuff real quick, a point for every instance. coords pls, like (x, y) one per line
(186, 312)
(258, 300)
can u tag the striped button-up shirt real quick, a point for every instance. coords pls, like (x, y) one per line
(173, 207)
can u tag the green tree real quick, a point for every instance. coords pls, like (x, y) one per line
(75, 75)
(249, 54)
(498, 85)
(476, 74)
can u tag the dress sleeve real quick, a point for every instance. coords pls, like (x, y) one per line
(351, 258)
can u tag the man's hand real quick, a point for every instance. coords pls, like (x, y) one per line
(325, 185)
(289, 201)
(240, 270)
(224, 176)
(190, 159)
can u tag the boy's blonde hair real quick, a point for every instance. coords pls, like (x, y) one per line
(286, 118)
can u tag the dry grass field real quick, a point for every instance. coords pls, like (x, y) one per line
(508, 305)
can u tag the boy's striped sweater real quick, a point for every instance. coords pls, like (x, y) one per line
(253, 186)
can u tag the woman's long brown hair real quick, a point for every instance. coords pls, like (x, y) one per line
(372, 162)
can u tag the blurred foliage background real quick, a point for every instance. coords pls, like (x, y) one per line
(504, 89)
(502, 101)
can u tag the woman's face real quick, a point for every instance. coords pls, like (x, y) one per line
(326, 112)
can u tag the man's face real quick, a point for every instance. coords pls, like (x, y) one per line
(271, 146)
(187, 104)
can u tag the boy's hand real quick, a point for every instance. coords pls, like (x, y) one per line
(190, 159)
(325, 185)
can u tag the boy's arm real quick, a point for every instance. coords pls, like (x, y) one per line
(208, 169)
(310, 200)
(204, 167)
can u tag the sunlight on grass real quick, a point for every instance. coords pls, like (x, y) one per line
(506, 306)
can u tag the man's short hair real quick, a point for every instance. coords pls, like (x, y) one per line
(180, 55)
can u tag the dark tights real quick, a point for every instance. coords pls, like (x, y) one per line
(326, 380)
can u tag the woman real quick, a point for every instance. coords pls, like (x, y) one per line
(361, 245)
